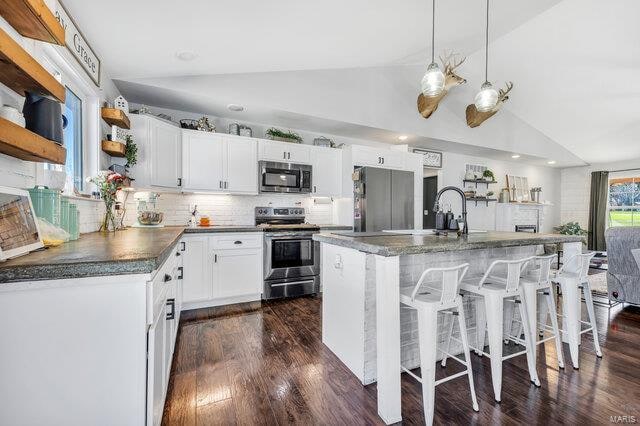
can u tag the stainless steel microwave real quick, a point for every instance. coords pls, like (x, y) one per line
(284, 177)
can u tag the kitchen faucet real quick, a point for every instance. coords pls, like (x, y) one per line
(436, 206)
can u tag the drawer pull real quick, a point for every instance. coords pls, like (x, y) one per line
(237, 242)
(171, 314)
(167, 278)
(181, 269)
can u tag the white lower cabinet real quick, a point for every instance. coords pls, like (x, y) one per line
(156, 369)
(221, 269)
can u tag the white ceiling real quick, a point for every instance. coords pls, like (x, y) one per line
(355, 66)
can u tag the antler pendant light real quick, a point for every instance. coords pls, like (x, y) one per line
(487, 97)
(433, 80)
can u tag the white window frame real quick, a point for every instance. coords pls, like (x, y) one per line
(615, 175)
(58, 59)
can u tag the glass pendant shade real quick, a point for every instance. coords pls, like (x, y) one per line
(487, 98)
(433, 81)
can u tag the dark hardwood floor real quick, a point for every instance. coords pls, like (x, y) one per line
(264, 363)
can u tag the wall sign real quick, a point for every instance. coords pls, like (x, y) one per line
(78, 45)
(431, 158)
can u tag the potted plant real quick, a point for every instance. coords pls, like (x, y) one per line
(283, 136)
(488, 175)
(572, 228)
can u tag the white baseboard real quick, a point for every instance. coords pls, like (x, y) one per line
(220, 302)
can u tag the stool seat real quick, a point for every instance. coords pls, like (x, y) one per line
(489, 286)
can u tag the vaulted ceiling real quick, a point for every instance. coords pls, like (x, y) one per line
(353, 68)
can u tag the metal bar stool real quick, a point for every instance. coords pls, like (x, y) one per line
(430, 298)
(495, 290)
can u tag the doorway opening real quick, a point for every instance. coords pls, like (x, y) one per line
(429, 192)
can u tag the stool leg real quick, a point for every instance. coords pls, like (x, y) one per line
(509, 313)
(494, 311)
(588, 299)
(481, 326)
(428, 331)
(467, 355)
(551, 305)
(531, 357)
(447, 342)
(542, 313)
(572, 317)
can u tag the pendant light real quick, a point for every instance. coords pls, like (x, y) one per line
(487, 97)
(433, 80)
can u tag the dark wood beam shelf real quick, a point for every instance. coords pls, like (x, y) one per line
(481, 200)
(477, 181)
(116, 117)
(114, 149)
(33, 19)
(21, 143)
(21, 73)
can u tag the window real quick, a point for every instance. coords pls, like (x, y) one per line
(73, 138)
(624, 200)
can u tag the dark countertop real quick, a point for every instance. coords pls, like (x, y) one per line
(398, 245)
(130, 251)
(215, 229)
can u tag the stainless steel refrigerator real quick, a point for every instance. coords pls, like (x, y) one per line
(383, 199)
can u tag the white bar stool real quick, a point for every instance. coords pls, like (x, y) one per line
(429, 299)
(573, 276)
(538, 281)
(496, 290)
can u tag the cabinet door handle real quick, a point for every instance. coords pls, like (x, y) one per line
(284, 155)
(379, 160)
(179, 181)
(171, 314)
(382, 160)
(237, 242)
(215, 258)
(167, 278)
(315, 189)
(220, 184)
(288, 155)
(226, 184)
(183, 246)
(181, 269)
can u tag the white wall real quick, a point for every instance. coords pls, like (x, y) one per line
(576, 189)
(483, 216)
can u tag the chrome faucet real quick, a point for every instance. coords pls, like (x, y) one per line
(436, 206)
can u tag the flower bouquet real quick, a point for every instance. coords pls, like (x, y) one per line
(108, 183)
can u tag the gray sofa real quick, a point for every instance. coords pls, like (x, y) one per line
(623, 277)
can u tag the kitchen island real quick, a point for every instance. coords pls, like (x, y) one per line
(362, 277)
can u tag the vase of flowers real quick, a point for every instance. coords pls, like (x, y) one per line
(108, 183)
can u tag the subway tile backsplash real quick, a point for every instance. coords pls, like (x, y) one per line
(228, 209)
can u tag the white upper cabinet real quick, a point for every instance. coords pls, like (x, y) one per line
(159, 151)
(284, 152)
(241, 169)
(383, 158)
(327, 164)
(165, 151)
(202, 161)
(219, 163)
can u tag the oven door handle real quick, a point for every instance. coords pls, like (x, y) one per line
(292, 283)
(289, 236)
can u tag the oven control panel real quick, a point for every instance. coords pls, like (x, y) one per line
(282, 212)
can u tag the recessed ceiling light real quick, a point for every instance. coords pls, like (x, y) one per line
(403, 137)
(235, 107)
(551, 162)
(515, 156)
(186, 56)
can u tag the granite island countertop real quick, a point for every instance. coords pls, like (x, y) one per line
(398, 245)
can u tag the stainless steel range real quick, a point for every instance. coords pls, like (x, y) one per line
(291, 257)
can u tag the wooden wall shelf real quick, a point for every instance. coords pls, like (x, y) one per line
(114, 149)
(21, 143)
(116, 117)
(21, 73)
(33, 19)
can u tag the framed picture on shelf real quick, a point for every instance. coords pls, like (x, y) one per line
(19, 230)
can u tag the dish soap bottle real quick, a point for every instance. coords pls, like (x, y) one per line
(440, 220)
(448, 218)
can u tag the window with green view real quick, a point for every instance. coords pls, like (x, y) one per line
(624, 201)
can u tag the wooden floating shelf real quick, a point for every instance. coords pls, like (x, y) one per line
(481, 200)
(33, 19)
(21, 73)
(21, 143)
(477, 181)
(114, 149)
(116, 117)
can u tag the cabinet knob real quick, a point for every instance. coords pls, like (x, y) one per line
(167, 278)
(237, 242)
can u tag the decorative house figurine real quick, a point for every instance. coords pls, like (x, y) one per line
(121, 104)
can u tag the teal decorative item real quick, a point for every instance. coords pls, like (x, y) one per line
(46, 204)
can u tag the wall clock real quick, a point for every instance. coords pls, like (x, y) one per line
(430, 158)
